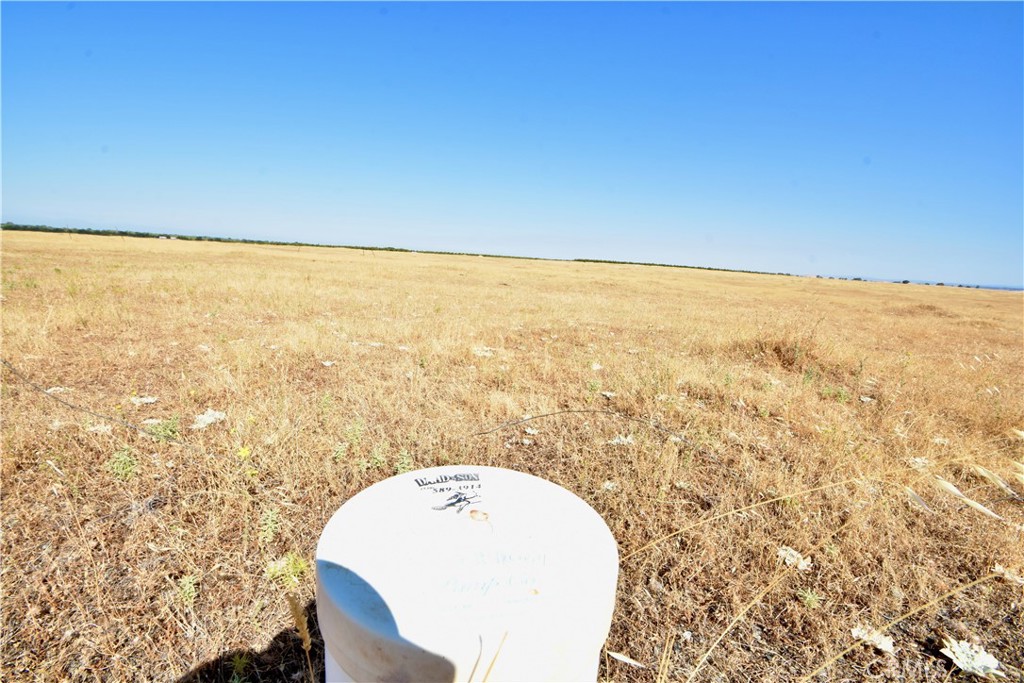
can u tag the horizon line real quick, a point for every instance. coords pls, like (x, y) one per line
(145, 234)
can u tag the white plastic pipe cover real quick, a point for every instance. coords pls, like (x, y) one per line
(465, 573)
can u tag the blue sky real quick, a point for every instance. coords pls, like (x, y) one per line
(880, 140)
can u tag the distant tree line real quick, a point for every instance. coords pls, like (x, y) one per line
(193, 238)
(673, 265)
(203, 238)
(236, 240)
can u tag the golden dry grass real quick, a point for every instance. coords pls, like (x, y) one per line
(127, 558)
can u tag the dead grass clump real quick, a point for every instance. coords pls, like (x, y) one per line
(794, 354)
(793, 350)
(922, 310)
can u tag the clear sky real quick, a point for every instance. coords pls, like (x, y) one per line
(880, 140)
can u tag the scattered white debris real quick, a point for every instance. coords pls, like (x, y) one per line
(1008, 574)
(375, 345)
(531, 431)
(610, 486)
(204, 348)
(686, 636)
(101, 429)
(55, 425)
(208, 418)
(527, 442)
(868, 635)
(941, 441)
(327, 363)
(1018, 432)
(676, 439)
(143, 400)
(625, 660)
(662, 397)
(608, 394)
(971, 658)
(408, 375)
(792, 558)
(152, 421)
(483, 351)
(57, 390)
(597, 366)
(919, 463)
(404, 348)
(866, 399)
(621, 440)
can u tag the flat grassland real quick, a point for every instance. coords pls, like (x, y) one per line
(732, 415)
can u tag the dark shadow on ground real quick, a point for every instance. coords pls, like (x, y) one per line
(282, 660)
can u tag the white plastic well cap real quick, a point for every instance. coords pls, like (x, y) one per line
(465, 573)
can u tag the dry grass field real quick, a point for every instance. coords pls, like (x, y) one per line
(730, 415)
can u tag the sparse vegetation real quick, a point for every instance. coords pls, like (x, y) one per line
(188, 589)
(270, 524)
(809, 597)
(123, 464)
(769, 414)
(404, 462)
(165, 430)
(287, 570)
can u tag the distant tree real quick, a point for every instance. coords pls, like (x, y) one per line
(905, 282)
